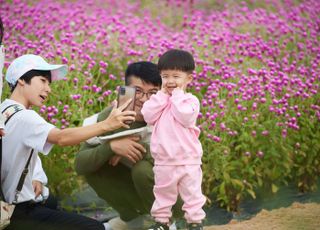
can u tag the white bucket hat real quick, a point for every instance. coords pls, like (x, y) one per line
(25, 63)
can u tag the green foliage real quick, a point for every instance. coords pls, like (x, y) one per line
(306, 154)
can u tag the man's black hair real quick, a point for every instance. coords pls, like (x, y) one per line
(33, 73)
(147, 71)
(176, 60)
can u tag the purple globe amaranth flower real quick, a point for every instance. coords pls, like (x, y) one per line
(75, 97)
(75, 80)
(216, 139)
(260, 154)
(72, 67)
(102, 70)
(222, 126)
(65, 60)
(85, 87)
(284, 133)
(204, 103)
(263, 100)
(112, 77)
(103, 64)
(42, 110)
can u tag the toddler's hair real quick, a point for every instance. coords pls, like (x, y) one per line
(176, 60)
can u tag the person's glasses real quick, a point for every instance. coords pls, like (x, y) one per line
(140, 93)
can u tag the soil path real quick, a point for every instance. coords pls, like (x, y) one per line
(297, 216)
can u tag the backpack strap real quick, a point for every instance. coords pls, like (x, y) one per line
(8, 113)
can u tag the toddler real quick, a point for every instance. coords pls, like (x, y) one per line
(175, 146)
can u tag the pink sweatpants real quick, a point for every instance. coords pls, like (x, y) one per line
(171, 181)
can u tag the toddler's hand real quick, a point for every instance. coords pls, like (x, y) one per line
(164, 90)
(183, 88)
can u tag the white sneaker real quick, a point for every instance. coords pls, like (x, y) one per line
(139, 223)
(107, 226)
(173, 226)
(135, 224)
(117, 224)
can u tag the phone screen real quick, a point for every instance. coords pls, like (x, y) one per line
(125, 93)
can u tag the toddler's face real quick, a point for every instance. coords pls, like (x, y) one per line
(172, 79)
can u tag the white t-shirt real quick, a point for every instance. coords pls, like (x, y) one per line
(25, 130)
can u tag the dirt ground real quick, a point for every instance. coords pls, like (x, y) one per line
(297, 216)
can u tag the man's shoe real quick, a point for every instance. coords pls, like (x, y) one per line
(140, 223)
(117, 224)
(107, 226)
(195, 226)
(173, 226)
(159, 226)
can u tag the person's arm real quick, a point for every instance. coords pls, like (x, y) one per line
(153, 108)
(73, 136)
(185, 108)
(91, 158)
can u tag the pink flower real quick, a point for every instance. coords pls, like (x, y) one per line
(260, 154)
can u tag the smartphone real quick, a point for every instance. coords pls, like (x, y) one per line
(125, 93)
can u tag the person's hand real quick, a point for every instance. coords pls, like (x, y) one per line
(2, 132)
(118, 117)
(37, 187)
(128, 147)
(183, 88)
(115, 160)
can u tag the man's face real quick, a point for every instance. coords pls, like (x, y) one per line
(143, 92)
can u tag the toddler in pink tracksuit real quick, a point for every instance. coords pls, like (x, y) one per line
(175, 146)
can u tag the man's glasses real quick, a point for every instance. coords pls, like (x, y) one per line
(140, 93)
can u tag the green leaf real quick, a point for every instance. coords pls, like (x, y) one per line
(252, 193)
(274, 188)
(226, 176)
(237, 182)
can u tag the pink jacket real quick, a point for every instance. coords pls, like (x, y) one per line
(174, 140)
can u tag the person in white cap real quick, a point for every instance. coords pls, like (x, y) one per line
(39, 179)
(27, 133)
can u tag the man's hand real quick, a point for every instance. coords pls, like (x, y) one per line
(128, 147)
(1, 132)
(114, 160)
(37, 187)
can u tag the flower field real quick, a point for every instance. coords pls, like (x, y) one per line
(257, 77)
